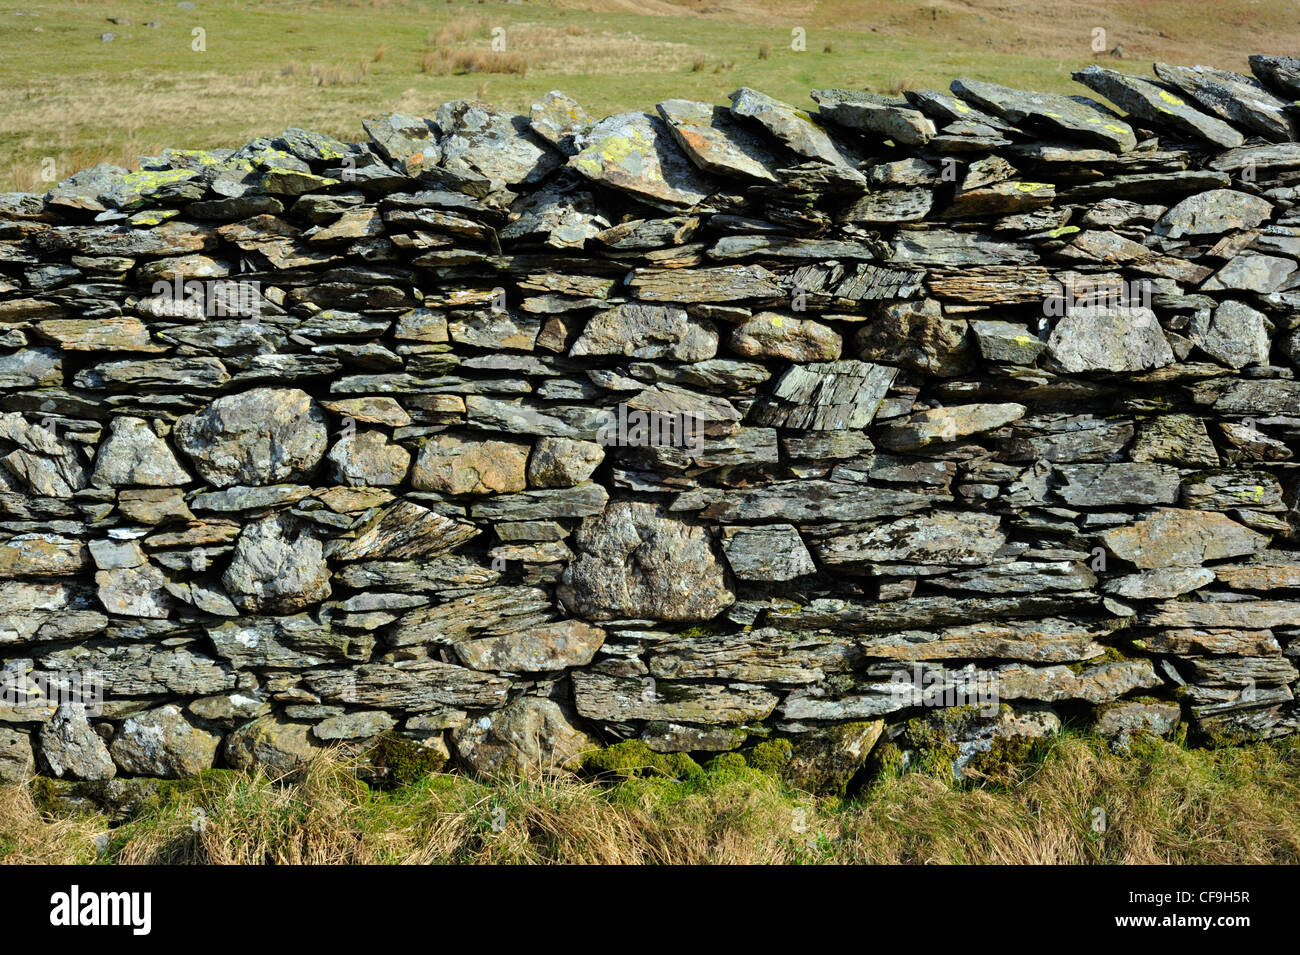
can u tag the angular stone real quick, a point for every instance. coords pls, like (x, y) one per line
(647, 331)
(1229, 490)
(1103, 485)
(263, 436)
(826, 760)
(274, 745)
(405, 141)
(1252, 273)
(17, 763)
(462, 464)
(1109, 339)
(124, 333)
(71, 748)
(285, 642)
(562, 462)
(1178, 439)
(807, 501)
(1075, 119)
(918, 336)
(1049, 640)
(134, 454)
(1213, 213)
(1249, 397)
(415, 685)
(1233, 97)
(137, 589)
(600, 696)
(405, 530)
(368, 459)
(1066, 438)
(40, 555)
(277, 567)
(1098, 684)
(487, 613)
(1280, 72)
(1276, 571)
(1193, 642)
(1020, 577)
(1006, 342)
(560, 121)
(634, 562)
(729, 283)
(487, 149)
(1244, 615)
(1159, 584)
(529, 735)
(947, 424)
(584, 500)
(161, 742)
(1158, 104)
(365, 724)
(941, 537)
(770, 335)
(1121, 720)
(1175, 537)
(550, 646)
(635, 153)
(715, 142)
(774, 552)
(793, 128)
(376, 410)
(889, 118)
(831, 396)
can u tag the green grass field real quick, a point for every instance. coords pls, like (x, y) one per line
(69, 99)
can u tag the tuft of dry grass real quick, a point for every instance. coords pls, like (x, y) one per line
(1080, 804)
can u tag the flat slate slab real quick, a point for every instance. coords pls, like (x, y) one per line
(636, 153)
(1077, 119)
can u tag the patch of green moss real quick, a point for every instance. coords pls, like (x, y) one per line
(633, 758)
(401, 762)
(770, 756)
(727, 766)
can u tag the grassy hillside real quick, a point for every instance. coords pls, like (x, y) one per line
(1165, 804)
(70, 97)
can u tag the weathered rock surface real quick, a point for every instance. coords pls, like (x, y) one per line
(262, 436)
(634, 561)
(163, 743)
(528, 735)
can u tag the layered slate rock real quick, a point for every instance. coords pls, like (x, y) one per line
(891, 429)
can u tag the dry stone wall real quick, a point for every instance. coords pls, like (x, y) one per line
(965, 413)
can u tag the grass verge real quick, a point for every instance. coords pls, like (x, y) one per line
(1079, 804)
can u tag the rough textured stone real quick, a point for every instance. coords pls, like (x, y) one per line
(277, 567)
(430, 437)
(1109, 339)
(262, 436)
(1174, 537)
(163, 743)
(635, 562)
(71, 748)
(462, 464)
(562, 462)
(368, 459)
(529, 735)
